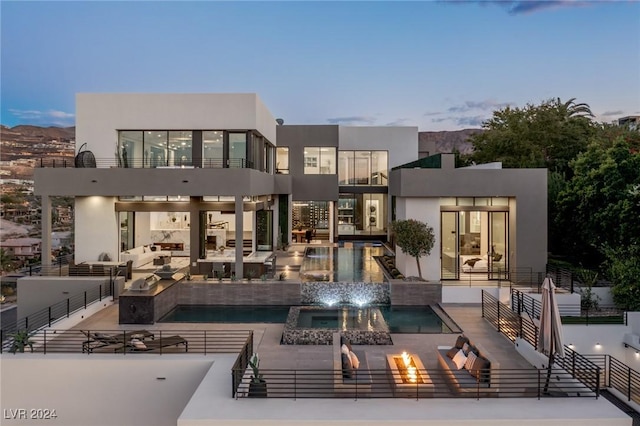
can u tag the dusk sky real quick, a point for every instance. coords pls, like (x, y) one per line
(435, 65)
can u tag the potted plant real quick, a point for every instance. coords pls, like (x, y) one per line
(221, 249)
(258, 385)
(21, 339)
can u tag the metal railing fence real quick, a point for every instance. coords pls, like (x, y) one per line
(57, 268)
(619, 376)
(241, 364)
(58, 311)
(119, 342)
(205, 163)
(514, 325)
(436, 383)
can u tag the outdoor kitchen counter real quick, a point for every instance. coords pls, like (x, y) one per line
(149, 305)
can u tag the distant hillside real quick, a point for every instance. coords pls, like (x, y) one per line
(24, 145)
(447, 141)
(33, 133)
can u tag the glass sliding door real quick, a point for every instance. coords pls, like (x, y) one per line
(498, 245)
(449, 264)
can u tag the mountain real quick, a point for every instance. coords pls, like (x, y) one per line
(21, 146)
(37, 133)
(447, 141)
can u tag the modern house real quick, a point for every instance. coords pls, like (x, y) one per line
(192, 173)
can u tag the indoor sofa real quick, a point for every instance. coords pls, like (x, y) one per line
(139, 255)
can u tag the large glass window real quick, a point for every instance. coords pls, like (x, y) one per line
(362, 214)
(363, 168)
(155, 148)
(213, 149)
(345, 168)
(238, 150)
(180, 148)
(282, 160)
(130, 149)
(474, 244)
(319, 161)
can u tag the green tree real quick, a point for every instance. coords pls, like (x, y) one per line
(600, 206)
(547, 135)
(623, 267)
(415, 238)
(6, 262)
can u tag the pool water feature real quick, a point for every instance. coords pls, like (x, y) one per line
(342, 318)
(315, 325)
(342, 264)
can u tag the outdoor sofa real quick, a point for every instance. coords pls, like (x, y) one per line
(476, 372)
(347, 378)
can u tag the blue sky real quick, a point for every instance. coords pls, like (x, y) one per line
(435, 65)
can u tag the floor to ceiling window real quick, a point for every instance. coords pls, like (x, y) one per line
(474, 238)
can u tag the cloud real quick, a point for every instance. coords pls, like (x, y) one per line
(356, 119)
(465, 121)
(481, 105)
(612, 113)
(51, 117)
(470, 121)
(429, 114)
(514, 7)
(399, 122)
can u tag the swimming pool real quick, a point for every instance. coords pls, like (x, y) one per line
(343, 264)
(227, 314)
(397, 319)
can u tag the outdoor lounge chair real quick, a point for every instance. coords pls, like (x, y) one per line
(97, 340)
(157, 344)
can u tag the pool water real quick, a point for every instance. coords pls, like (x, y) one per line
(227, 314)
(349, 318)
(399, 319)
(414, 319)
(342, 264)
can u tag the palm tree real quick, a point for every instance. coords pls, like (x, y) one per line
(571, 109)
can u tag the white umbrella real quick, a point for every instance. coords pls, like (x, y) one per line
(550, 333)
(550, 340)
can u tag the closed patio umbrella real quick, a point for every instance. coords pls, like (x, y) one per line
(550, 340)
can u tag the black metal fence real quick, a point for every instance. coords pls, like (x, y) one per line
(619, 376)
(434, 383)
(58, 311)
(205, 163)
(514, 325)
(59, 267)
(241, 364)
(120, 342)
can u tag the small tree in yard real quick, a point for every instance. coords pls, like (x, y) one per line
(415, 238)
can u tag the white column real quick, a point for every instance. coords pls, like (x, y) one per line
(239, 236)
(45, 220)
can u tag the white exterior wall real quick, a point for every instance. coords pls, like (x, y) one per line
(94, 215)
(400, 142)
(101, 115)
(38, 293)
(425, 210)
(102, 389)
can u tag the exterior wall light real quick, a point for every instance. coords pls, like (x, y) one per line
(598, 345)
